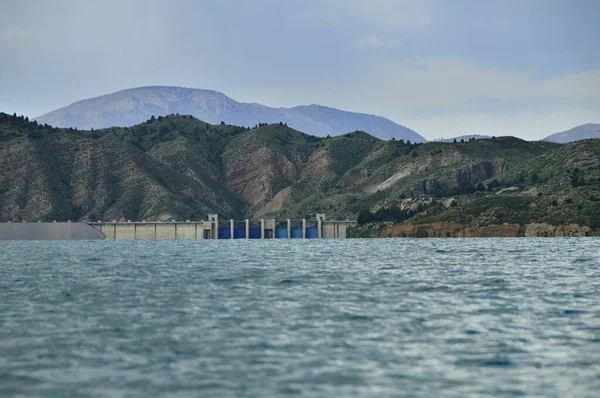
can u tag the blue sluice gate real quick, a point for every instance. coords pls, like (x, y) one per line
(281, 233)
(224, 233)
(312, 233)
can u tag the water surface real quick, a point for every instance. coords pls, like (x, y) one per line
(393, 317)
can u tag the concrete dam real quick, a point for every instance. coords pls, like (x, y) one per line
(213, 228)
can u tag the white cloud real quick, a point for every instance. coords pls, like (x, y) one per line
(13, 33)
(373, 42)
(452, 82)
(526, 124)
(443, 97)
(387, 13)
(450, 97)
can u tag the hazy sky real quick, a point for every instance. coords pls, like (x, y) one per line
(525, 67)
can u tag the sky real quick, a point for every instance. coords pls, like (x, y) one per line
(527, 68)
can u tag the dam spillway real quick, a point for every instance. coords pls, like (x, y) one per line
(318, 228)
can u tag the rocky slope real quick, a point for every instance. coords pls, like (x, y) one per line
(178, 167)
(133, 106)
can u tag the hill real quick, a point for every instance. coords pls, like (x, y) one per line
(178, 167)
(583, 132)
(133, 106)
(464, 138)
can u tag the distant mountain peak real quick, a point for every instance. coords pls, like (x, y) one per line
(135, 105)
(583, 132)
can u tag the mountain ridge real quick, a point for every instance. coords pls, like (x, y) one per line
(577, 133)
(131, 106)
(178, 167)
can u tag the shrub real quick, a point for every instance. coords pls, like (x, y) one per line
(534, 178)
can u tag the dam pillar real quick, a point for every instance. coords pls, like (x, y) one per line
(274, 226)
(304, 228)
(289, 228)
(231, 229)
(262, 228)
(214, 225)
(247, 229)
(319, 228)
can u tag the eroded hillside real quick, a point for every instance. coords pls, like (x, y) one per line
(178, 167)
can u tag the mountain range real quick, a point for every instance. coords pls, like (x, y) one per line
(178, 167)
(585, 131)
(129, 107)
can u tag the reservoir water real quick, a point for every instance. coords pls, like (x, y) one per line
(389, 317)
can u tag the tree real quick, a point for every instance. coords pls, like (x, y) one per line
(519, 178)
(480, 187)
(576, 178)
(462, 140)
(494, 184)
(152, 119)
(454, 142)
(222, 123)
(534, 177)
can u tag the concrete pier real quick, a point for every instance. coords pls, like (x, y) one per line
(49, 231)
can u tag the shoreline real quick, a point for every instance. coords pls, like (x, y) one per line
(454, 230)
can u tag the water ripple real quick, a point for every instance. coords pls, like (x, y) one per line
(420, 318)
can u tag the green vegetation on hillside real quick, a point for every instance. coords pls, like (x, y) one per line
(178, 167)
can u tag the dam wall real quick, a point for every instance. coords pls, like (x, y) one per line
(49, 231)
(318, 228)
(228, 230)
(155, 230)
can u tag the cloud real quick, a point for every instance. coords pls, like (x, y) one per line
(391, 12)
(446, 97)
(380, 13)
(13, 33)
(529, 124)
(443, 97)
(452, 83)
(373, 42)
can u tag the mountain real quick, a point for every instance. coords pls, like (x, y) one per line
(178, 167)
(464, 137)
(136, 105)
(583, 132)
